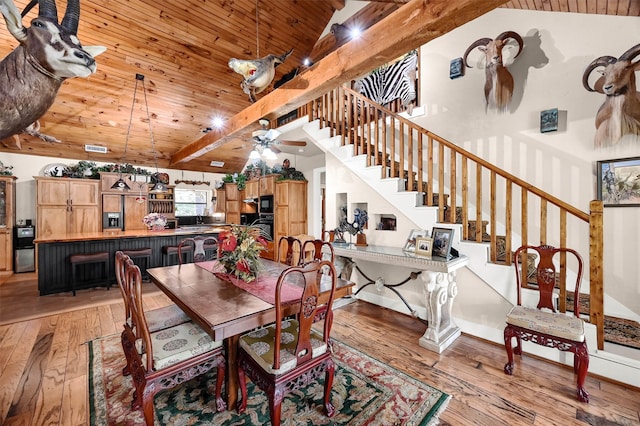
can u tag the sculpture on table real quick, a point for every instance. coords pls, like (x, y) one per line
(356, 227)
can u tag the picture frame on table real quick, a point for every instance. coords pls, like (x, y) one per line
(442, 239)
(410, 245)
(424, 246)
(618, 182)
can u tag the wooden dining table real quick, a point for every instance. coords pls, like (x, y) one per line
(223, 309)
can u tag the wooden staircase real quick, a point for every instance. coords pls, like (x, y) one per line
(511, 212)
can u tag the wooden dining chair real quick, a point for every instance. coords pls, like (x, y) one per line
(166, 358)
(289, 249)
(287, 355)
(316, 250)
(203, 248)
(157, 319)
(548, 327)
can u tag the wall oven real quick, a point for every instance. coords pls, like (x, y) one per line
(266, 204)
(265, 223)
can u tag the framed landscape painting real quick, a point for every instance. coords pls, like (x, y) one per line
(618, 182)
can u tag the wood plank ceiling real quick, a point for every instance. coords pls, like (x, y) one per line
(182, 48)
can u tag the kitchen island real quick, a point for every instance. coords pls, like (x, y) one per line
(54, 269)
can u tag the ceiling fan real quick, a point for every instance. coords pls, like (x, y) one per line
(268, 138)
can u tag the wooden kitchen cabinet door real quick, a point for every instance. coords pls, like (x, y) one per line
(84, 219)
(134, 213)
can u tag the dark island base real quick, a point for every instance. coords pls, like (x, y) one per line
(54, 269)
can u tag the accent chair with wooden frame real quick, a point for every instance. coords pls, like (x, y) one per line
(548, 328)
(317, 250)
(166, 358)
(289, 354)
(199, 246)
(287, 252)
(157, 319)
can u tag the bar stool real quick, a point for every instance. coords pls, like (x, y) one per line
(169, 251)
(83, 259)
(143, 254)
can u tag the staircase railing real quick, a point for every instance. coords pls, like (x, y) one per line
(487, 195)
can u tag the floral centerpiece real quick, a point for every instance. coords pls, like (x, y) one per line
(155, 221)
(240, 252)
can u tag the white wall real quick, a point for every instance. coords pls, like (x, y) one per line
(547, 74)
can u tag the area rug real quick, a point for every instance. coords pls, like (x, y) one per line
(365, 392)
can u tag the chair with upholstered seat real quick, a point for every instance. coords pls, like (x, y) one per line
(289, 354)
(163, 359)
(157, 319)
(203, 248)
(548, 327)
(288, 250)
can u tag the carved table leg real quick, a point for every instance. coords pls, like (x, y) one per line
(440, 290)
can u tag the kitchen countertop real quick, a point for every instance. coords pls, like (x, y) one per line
(110, 234)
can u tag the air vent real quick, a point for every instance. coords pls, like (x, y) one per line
(217, 163)
(96, 148)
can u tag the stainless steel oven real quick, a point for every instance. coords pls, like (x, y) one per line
(265, 223)
(266, 204)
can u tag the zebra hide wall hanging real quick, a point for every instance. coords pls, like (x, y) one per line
(391, 82)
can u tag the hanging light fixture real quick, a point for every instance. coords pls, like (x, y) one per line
(254, 155)
(121, 184)
(158, 186)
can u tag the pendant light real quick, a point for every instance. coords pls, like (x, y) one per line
(121, 184)
(158, 186)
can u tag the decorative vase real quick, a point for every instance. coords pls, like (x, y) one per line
(157, 227)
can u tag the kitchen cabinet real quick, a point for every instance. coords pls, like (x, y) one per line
(267, 184)
(290, 208)
(163, 202)
(134, 212)
(252, 188)
(232, 203)
(67, 205)
(7, 217)
(221, 200)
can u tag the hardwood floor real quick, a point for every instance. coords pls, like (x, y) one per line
(43, 368)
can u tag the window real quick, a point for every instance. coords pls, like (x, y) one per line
(191, 202)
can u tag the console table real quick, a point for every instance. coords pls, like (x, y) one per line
(439, 284)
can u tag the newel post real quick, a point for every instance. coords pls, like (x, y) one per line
(596, 269)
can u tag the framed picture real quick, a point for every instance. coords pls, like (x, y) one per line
(619, 182)
(424, 245)
(442, 238)
(456, 68)
(549, 120)
(410, 245)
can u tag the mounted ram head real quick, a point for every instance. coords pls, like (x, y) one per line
(498, 85)
(48, 54)
(619, 115)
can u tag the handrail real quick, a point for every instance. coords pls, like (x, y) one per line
(407, 151)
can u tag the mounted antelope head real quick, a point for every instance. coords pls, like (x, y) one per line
(498, 85)
(48, 54)
(619, 115)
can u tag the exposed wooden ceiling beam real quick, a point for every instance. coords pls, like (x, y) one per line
(409, 27)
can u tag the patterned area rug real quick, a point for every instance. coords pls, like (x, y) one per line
(365, 392)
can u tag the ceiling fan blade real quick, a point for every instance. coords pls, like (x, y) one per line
(274, 149)
(271, 134)
(291, 143)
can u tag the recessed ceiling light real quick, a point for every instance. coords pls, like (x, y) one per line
(215, 163)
